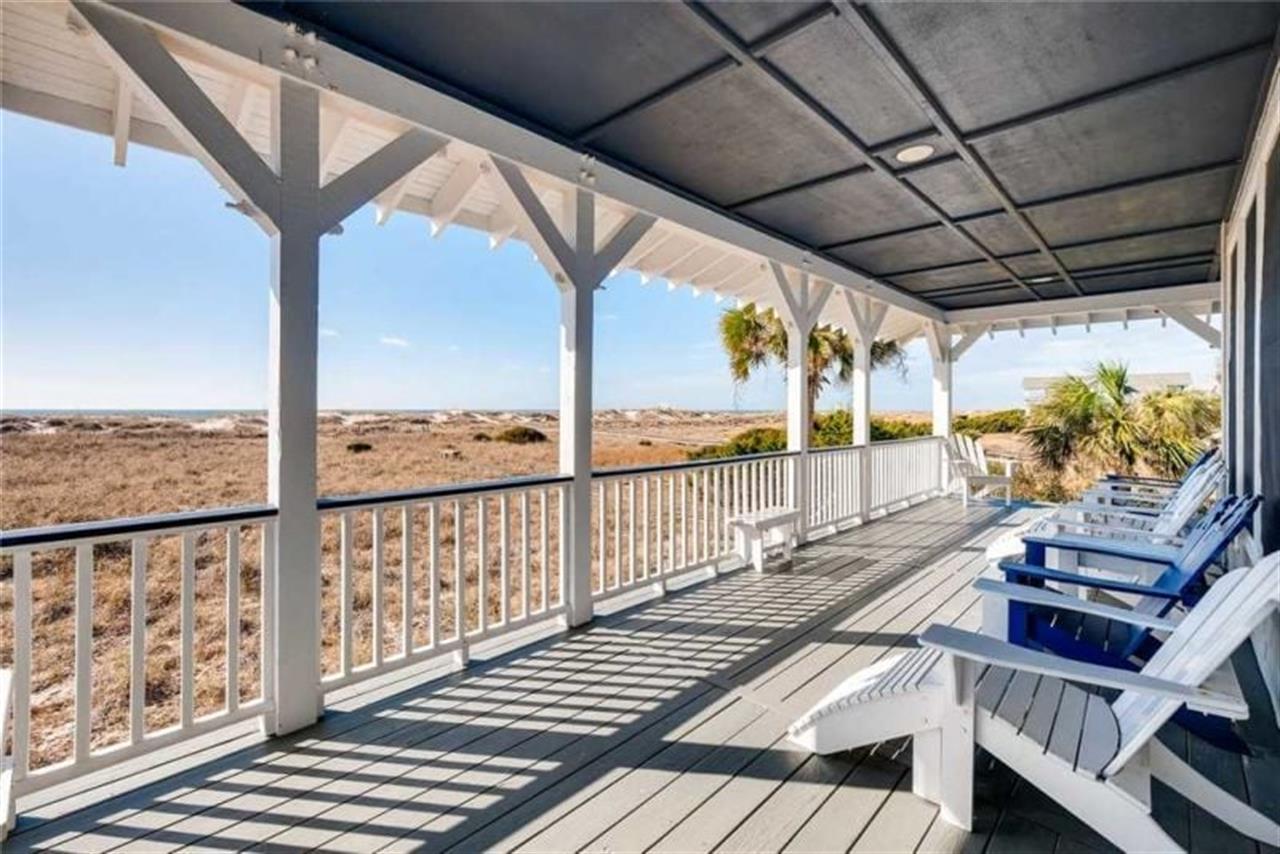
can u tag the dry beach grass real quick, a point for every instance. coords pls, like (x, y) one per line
(77, 468)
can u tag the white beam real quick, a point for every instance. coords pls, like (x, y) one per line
(622, 242)
(388, 201)
(967, 340)
(538, 226)
(263, 42)
(788, 303)
(452, 195)
(137, 55)
(502, 224)
(332, 126)
(1194, 325)
(345, 194)
(122, 117)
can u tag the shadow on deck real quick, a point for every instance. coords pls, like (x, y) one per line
(660, 727)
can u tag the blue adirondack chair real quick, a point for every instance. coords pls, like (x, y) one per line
(1113, 643)
(1117, 642)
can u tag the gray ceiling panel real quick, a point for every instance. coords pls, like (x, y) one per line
(1189, 275)
(982, 298)
(839, 69)
(927, 248)
(1160, 129)
(1000, 234)
(1132, 249)
(728, 139)
(507, 54)
(851, 207)
(753, 21)
(1195, 198)
(955, 188)
(951, 277)
(988, 62)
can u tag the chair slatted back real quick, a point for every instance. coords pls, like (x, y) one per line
(1190, 497)
(961, 464)
(1234, 606)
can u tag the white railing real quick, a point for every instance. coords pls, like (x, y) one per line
(853, 481)
(467, 563)
(835, 485)
(651, 523)
(905, 470)
(104, 567)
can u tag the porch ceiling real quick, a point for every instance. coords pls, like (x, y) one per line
(1079, 148)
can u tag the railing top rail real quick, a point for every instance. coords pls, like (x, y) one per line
(662, 468)
(447, 490)
(908, 441)
(831, 449)
(108, 529)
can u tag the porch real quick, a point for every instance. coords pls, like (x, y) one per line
(658, 727)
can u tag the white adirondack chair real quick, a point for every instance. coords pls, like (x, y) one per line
(1095, 758)
(1150, 522)
(1149, 493)
(968, 464)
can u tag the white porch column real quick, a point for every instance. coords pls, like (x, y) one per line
(287, 201)
(799, 303)
(939, 338)
(291, 408)
(569, 253)
(865, 316)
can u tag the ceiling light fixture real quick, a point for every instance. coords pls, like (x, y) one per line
(1039, 280)
(914, 153)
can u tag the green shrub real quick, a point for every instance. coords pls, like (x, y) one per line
(981, 423)
(519, 435)
(359, 447)
(893, 429)
(481, 437)
(757, 440)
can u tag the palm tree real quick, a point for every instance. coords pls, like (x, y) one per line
(1101, 419)
(753, 338)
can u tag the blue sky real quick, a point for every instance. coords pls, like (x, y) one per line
(137, 288)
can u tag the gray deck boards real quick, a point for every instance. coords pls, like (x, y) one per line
(659, 728)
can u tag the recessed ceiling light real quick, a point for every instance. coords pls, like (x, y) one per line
(1039, 280)
(914, 153)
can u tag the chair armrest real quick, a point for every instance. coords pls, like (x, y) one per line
(1140, 481)
(1058, 601)
(1129, 549)
(1118, 532)
(1096, 581)
(1139, 501)
(988, 650)
(1111, 513)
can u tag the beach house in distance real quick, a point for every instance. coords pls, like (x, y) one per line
(575, 661)
(1034, 388)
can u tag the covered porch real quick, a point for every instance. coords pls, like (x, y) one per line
(661, 727)
(653, 711)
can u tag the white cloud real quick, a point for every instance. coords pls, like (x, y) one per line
(393, 341)
(325, 332)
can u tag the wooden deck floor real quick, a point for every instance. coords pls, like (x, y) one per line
(660, 728)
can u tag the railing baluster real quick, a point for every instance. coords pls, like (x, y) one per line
(705, 538)
(644, 501)
(524, 555)
(376, 587)
(406, 580)
(267, 606)
(631, 531)
(617, 534)
(346, 568)
(21, 663)
(433, 573)
(188, 632)
(460, 580)
(138, 640)
(482, 563)
(684, 519)
(563, 508)
(544, 553)
(504, 577)
(659, 527)
(233, 618)
(600, 539)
